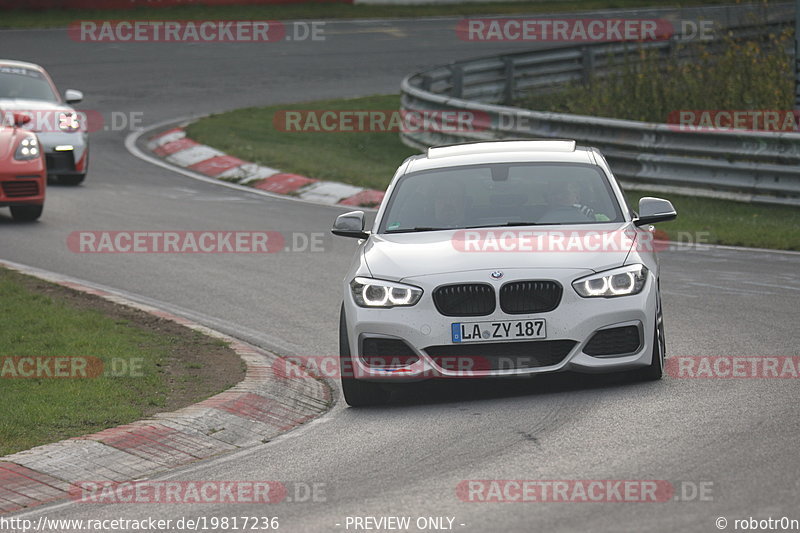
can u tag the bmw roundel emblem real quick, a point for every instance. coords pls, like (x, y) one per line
(497, 274)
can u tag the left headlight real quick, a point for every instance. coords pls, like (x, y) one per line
(368, 292)
(611, 283)
(28, 149)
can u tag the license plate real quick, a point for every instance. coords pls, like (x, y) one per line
(504, 330)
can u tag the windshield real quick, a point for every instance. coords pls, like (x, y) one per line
(518, 194)
(18, 82)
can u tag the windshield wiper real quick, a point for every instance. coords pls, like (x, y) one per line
(506, 224)
(503, 225)
(416, 229)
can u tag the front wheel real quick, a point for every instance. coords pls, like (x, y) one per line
(655, 370)
(26, 213)
(357, 393)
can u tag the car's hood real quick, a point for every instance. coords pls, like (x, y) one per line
(407, 255)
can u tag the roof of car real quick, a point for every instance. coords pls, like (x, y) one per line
(21, 64)
(476, 153)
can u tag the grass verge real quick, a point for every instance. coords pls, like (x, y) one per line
(370, 160)
(25, 18)
(364, 159)
(712, 221)
(148, 365)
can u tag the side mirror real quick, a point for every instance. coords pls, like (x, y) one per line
(20, 119)
(71, 96)
(652, 210)
(350, 225)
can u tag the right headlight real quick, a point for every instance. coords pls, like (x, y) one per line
(612, 283)
(28, 149)
(369, 292)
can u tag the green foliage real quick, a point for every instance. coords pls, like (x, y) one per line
(738, 75)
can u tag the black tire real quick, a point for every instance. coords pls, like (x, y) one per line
(357, 393)
(26, 213)
(655, 370)
(72, 179)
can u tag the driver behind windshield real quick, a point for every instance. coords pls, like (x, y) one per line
(567, 195)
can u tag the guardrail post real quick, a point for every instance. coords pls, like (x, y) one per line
(457, 77)
(588, 63)
(510, 87)
(797, 55)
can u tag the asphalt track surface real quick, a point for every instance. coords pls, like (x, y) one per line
(407, 459)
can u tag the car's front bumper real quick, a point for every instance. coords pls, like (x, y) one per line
(427, 332)
(67, 154)
(23, 183)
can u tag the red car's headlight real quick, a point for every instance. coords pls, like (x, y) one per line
(28, 149)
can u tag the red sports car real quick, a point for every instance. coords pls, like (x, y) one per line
(23, 172)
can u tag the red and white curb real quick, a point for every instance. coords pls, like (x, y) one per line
(254, 411)
(175, 147)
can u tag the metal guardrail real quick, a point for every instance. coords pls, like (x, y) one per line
(759, 167)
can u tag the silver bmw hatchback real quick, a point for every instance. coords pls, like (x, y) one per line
(501, 259)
